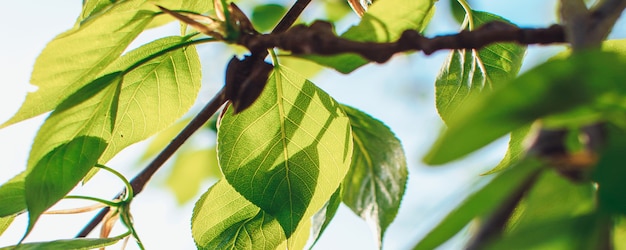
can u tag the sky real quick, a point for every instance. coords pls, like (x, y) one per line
(399, 93)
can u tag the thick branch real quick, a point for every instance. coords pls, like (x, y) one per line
(319, 39)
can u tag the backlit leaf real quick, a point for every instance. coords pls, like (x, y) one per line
(76, 57)
(189, 170)
(289, 151)
(580, 233)
(514, 152)
(223, 219)
(155, 94)
(5, 222)
(470, 72)
(322, 218)
(566, 199)
(374, 186)
(58, 172)
(542, 91)
(610, 174)
(478, 204)
(384, 21)
(70, 244)
(265, 17)
(12, 199)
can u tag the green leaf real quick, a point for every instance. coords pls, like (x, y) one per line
(289, 151)
(91, 111)
(190, 169)
(610, 174)
(155, 94)
(322, 218)
(76, 57)
(479, 203)
(375, 184)
(515, 152)
(306, 68)
(336, 9)
(197, 6)
(223, 219)
(12, 199)
(384, 21)
(571, 233)
(470, 72)
(93, 7)
(457, 11)
(5, 222)
(58, 172)
(266, 16)
(70, 244)
(566, 199)
(542, 91)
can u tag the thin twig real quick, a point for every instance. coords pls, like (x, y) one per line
(139, 182)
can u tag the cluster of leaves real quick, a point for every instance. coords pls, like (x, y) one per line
(289, 160)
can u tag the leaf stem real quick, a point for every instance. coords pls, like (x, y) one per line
(138, 182)
(129, 194)
(103, 201)
(469, 19)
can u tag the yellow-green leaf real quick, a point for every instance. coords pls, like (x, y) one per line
(70, 244)
(189, 170)
(223, 219)
(12, 199)
(384, 21)
(469, 72)
(289, 151)
(74, 58)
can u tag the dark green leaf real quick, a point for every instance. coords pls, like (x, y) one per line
(223, 219)
(265, 17)
(384, 21)
(58, 172)
(610, 173)
(374, 186)
(543, 91)
(515, 152)
(12, 199)
(71, 244)
(457, 11)
(571, 233)
(190, 169)
(289, 151)
(322, 218)
(471, 72)
(479, 203)
(73, 59)
(553, 197)
(5, 222)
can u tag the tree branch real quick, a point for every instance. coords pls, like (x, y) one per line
(319, 39)
(140, 181)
